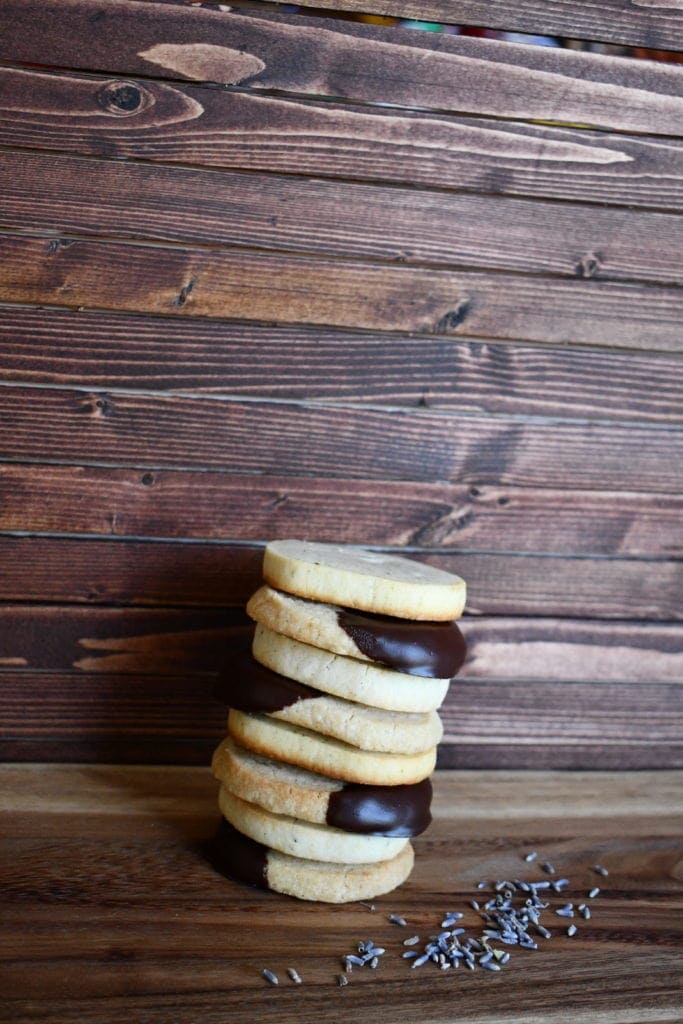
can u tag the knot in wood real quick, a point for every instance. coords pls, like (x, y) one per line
(454, 317)
(119, 98)
(589, 264)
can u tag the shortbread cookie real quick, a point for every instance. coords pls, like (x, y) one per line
(349, 678)
(398, 811)
(433, 650)
(294, 745)
(251, 687)
(242, 858)
(373, 582)
(392, 732)
(303, 838)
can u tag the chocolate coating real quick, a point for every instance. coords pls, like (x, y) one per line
(435, 650)
(250, 686)
(399, 811)
(237, 856)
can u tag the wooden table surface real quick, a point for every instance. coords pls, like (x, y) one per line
(110, 913)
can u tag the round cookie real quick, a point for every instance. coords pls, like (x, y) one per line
(385, 584)
(285, 789)
(369, 729)
(433, 650)
(350, 678)
(303, 838)
(249, 686)
(294, 745)
(242, 858)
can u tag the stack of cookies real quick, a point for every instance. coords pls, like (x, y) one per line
(333, 728)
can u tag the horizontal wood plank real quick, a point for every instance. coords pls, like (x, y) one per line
(192, 642)
(637, 718)
(120, 350)
(360, 62)
(193, 282)
(159, 431)
(103, 197)
(220, 506)
(192, 125)
(138, 573)
(604, 588)
(170, 751)
(154, 934)
(654, 24)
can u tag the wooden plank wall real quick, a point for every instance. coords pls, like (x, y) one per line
(240, 299)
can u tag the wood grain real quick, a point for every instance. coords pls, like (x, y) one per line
(137, 573)
(58, 346)
(74, 195)
(192, 125)
(158, 431)
(311, 290)
(277, 233)
(115, 943)
(192, 642)
(655, 24)
(343, 60)
(221, 506)
(480, 728)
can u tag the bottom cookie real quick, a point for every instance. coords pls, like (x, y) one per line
(245, 860)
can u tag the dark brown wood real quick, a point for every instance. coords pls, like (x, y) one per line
(604, 588)
(215, 128)
(524, 714)
(191, 642)
(654, 23)
(169, 750)
(155, 432)
(195, 282)
(137, 573)
(155, 641)
(155, 934)
(343, 60)
(113, 707)
(550, 757)
(238, 245)
(95, 572)
(98, 197)
(220, 506)
(503, 716)
(59, 346)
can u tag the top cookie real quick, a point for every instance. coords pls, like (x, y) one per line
(384, 584)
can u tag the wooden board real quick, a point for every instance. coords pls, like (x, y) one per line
(655, 24)
(176, 123)
(317, 277)
(412, 69)
(95, 571)
(339, 293)
(501, 724)
(147, 353)
(100, 197)
(156, 431)
(49, 498)
(110, 912)
(198, 356)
